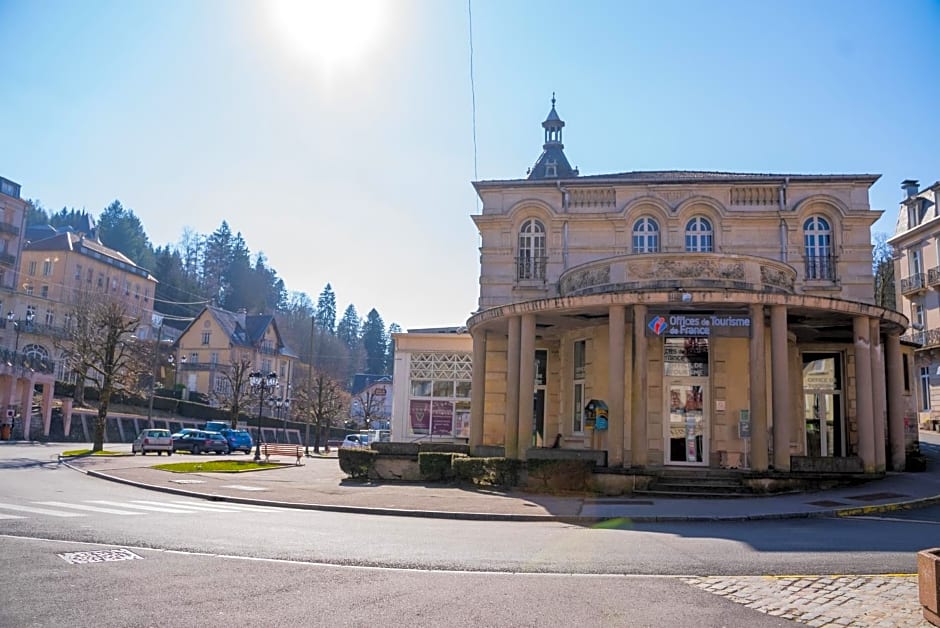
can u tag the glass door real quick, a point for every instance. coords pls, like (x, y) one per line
(687, 428)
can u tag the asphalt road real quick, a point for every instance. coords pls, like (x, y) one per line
(346, 569)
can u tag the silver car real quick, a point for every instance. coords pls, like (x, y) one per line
(153, 440)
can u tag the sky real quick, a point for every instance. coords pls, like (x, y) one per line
(341, 138)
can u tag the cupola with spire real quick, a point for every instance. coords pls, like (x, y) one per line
(552, 164)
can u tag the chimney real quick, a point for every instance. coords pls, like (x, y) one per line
(910, 187)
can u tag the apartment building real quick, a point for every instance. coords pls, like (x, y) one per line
(217, 340)
(916, 244)
(685, 318)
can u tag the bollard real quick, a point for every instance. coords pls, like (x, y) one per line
(928, 584)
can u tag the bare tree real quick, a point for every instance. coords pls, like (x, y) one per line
(320, 404)
(103, 350)
(236, 394)
(883, 269)
(369, 405)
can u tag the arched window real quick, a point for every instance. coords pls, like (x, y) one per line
(817, 248)
(698, 235)
(646, 236)
(531, 261)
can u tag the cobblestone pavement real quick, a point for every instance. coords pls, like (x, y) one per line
(889, 601)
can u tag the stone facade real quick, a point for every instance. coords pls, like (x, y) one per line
(724, 319)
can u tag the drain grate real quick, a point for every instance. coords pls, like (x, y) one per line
(98, 556)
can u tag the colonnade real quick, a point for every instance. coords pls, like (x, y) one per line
(878, 390)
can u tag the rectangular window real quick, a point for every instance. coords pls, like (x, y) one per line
(925, 388)
(580, 358)
(47, 268)
(31, 268)
(194, 358)
(907, 373)
(44, 292)
(29, 289)
(420, 388)
(579, 373)
(214, 357)
(50, 318)
(205, 337)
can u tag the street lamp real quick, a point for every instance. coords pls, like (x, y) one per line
(262, 383)
(30, 315)
(276, 404)
(176, 369)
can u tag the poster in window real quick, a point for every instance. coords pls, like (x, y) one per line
(462, 420)
(420, 413)
(442, 418)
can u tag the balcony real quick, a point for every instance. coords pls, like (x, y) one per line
(926, 339)
(530, 268)
(915, 284)
(819, 268)
(6, 227)
(933, 277)
(659, 271)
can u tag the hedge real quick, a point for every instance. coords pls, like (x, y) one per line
(487, 471)
(437, 466)
(356, 462)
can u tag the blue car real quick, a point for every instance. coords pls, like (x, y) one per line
(239, 440)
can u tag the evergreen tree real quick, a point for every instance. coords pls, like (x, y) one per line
(348, 328)
(69, 218)
(394, 328)
(36, 214)
(121, 230)
(374, 343)
(217, 260)
(326, 310)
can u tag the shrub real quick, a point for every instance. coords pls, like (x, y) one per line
(487, 471)
(436, 466)
(356, 462)
(565, 475)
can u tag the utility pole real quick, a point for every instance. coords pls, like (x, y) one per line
(310, 386)
(153, 372)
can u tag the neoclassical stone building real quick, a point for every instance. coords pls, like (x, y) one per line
(721, 319)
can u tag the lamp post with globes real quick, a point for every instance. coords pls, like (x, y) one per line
(261, 383)
(276, 403)
(18, 325)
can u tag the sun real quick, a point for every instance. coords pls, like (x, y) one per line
(332, 34)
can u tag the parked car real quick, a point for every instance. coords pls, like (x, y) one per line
(198, 441)
(153, 440)
(356, 441)
(238, 440)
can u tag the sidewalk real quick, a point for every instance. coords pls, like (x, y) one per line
(319, 484)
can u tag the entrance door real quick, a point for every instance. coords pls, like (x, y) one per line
(822, 405)
(686, 430)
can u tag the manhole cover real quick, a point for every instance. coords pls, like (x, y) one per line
(98, 556)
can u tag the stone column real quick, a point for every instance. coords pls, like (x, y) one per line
(863, 396)
(757, 382)
(48, 389)
(878, 391)
(526, 383)
(895, 407)
(511, 432)
(477, 388)
(781, 382)
(26, 404)
(67, 414)
(639, 443)
(615, 373)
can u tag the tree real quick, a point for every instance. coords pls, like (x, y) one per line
(373, 341)
(236, 394)
(348, 328)
(121, 230)
(883, 270)
(103, 350)
(326, 310)
(369, 405)
(36, 214)
(319, 404)
(394, 328)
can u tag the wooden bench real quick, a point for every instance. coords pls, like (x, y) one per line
(275, 449)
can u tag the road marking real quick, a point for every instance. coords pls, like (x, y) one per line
(110, 511)
(198, 507)
(229, 505)
(41, 511)
(3, 516)
(173, 509)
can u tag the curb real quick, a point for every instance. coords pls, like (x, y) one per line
(478, 516)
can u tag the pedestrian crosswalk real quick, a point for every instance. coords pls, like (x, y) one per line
(128, 508)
